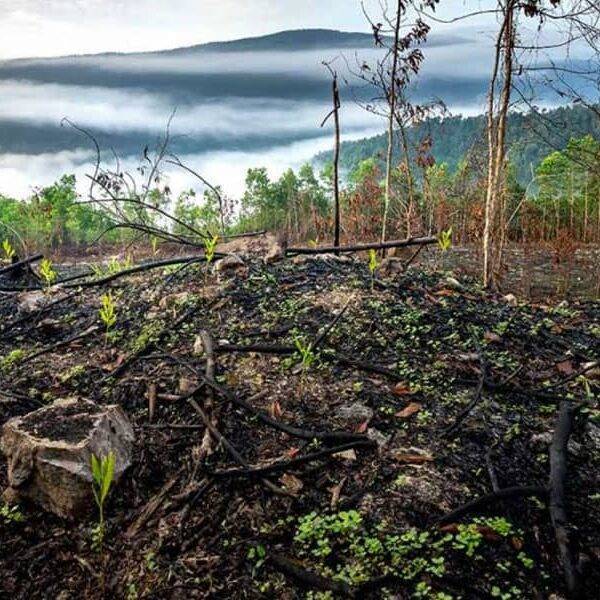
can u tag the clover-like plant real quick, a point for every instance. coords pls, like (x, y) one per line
(103, 473)
(108, 312)
(8, 250)
(47, 272)
(445, 239)
(372, 265)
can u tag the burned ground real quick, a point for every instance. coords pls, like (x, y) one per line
(430, 392)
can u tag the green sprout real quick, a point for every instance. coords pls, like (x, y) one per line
(372, 265)
(103, 472)
(107, 312)
(445, 239)
(8, 250)
(47, 272)
(210, 245)
(307, 355)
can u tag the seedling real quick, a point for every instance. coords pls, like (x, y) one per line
(307, 355)
(107, 312)
(47, 272)
(210, 245)
(445, 239)
(103, 472)
(372, 265)
(8, 250)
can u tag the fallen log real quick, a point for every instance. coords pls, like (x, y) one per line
(421, 241)
(21, 263)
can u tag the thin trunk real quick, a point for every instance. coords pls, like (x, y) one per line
(497, 134)
(336, 161)
(390, 133)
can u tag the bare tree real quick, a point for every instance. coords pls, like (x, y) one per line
(335, 111)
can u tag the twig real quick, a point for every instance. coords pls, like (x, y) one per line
(361, 247)
(21, 263)
(521, 491)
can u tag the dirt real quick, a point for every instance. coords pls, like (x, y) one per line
(411, 351)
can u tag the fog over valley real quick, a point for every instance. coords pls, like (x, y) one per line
(233, 105)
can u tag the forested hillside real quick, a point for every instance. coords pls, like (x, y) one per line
(531, 136)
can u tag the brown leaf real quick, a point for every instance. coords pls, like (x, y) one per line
(517, 543)
(444, 292)
(291, 483)
(293, 452)
(151, 395)
(336, 491)
(414, 459)
(565, 367)
(402, 389)
(275, 409)
(490, 336)
(411, 409)
(346, 454)
(362, 427)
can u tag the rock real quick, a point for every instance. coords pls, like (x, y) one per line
(379, 438)
(592, 433)
(230, 263)
(275, 250)
(354, 413)
(391, 265)
(454, 284)
(49, 452)
(510, 299)
(31, 301)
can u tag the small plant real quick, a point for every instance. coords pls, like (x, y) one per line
(445, 239)
(257, 554)
(11, 359)
(307, 355)
(103, 472)
(372, 265)
(8, 250)
(210, 245)
(107, 312)
(47, 272)
(11, 514)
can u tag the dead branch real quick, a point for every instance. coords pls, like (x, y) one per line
(361, 247)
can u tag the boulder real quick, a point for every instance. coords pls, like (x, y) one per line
(232, 262)
(49, 452)
(354, 413)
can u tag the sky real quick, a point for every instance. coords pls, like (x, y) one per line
(60, 27)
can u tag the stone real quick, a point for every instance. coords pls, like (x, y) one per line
(275, 250)
(391, 265)
(232, 262)
(49, 452)
(510, 299)
(354, 413)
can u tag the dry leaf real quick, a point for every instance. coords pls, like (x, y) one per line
(362, 427)
(346, 454)
(275, 409)
(490, 336)
(565, 367)
(291, 483)
(402, 389)
(292, 452)
(412, 456)
(336, 492)
(411, 409)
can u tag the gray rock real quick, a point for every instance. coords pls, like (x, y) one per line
(49, 453)
(354, 413)
(230, 263)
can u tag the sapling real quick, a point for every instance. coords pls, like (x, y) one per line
(8, 250)
(445, 239)
(210, 245)
(107, 312)
(47, 272)
(103, 472)
(372, 266)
